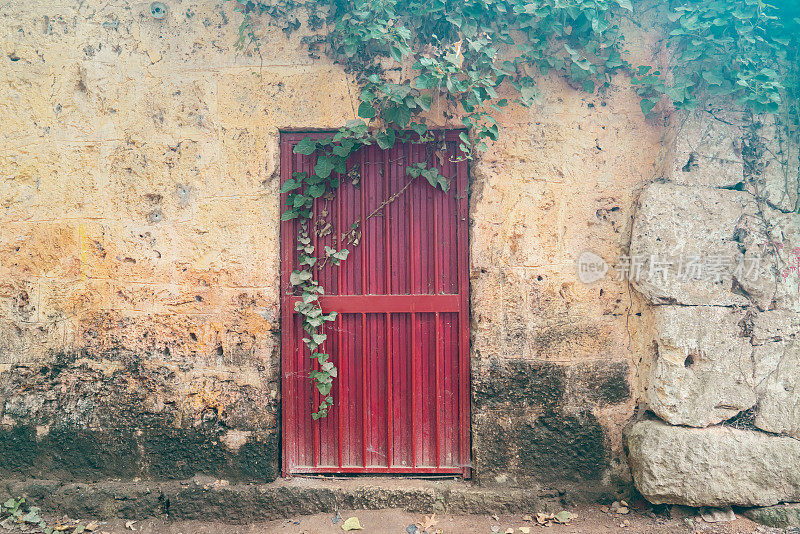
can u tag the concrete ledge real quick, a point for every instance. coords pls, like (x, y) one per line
(204, 498)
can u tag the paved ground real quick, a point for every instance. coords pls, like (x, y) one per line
(589, 519)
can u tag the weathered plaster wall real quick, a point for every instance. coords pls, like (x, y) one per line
(553, 357)
(139, 252)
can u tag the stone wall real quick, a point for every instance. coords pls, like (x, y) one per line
(139, 218)
(726, 360)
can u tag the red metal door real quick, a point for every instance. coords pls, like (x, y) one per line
(401, 338)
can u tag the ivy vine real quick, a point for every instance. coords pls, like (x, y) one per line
(745, 50)
(416, 60)
(302, 191)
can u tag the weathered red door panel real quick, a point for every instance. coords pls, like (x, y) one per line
(401, 339)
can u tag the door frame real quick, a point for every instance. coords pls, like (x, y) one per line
(287, 137)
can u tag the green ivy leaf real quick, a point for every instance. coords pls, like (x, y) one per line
(420, 129)
(289, 215)
(298, 277)
(32, 516)
(289, 185)
(366, 111)
(299, 200)
(425, 81)
(306, 146)
(402, 115)
(385, 139)
(713, 78)
(367, 95)
(648, 104)
(356, 127)
(425, 101)
(316, 190)
(324, 167)
(625, 4)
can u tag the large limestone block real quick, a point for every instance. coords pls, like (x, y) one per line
(703, 373)
(684, 245)
(716, 466)
(779, 390)
(707, 150)
(775, 280)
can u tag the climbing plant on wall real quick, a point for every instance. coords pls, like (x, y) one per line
(447, 59)
(742, 49)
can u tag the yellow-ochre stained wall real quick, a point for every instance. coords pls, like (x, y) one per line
(139, 251)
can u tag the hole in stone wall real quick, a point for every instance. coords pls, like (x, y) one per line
(690, 164)
(689, 361)
(744, 420)
(193, 336)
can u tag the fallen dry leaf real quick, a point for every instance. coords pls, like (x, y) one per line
(92, 525)
(717, 515)
(620, 507)
(352, 523)
(129, 524)
(427, 523)
(509, 530)
(563, 517)
(525, 530)
(527, 517)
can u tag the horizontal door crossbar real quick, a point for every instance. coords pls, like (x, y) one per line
(386, 303)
